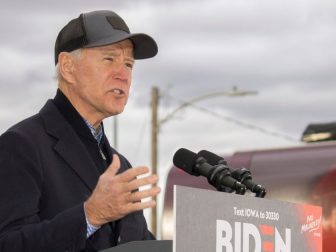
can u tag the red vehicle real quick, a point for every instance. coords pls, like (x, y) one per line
(305, 174)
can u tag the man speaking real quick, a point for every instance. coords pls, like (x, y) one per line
(62, 186)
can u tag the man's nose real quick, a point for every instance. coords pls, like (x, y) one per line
(122, 71)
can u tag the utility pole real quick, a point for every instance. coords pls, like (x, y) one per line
(154, 149)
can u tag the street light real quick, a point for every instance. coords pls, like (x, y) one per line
(234, 92)
(156, 124)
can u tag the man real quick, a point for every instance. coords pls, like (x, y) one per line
(62, 187)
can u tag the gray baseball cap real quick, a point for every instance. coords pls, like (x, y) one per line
(100, 28)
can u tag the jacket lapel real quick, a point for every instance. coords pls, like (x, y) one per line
(69, 146)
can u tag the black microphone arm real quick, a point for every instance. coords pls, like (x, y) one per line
(218, 175)
(243, 175)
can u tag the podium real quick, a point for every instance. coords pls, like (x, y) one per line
(207, 220)
(143, 246)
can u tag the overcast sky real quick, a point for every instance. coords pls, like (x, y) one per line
(283, 49)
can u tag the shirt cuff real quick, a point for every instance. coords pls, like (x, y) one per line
(90, 229)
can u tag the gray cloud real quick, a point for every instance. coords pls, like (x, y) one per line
(282, 49)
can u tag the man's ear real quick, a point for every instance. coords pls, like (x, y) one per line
(66, 66)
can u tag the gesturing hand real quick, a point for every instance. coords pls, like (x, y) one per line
(117, 195)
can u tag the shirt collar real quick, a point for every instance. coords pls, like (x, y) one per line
(97, 133)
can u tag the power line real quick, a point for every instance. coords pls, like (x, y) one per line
(238, 122)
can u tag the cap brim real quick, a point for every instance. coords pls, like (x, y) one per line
(144, 45)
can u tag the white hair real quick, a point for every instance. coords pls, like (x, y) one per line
(76, 54)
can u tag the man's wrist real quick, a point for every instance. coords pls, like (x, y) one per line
(90, 228)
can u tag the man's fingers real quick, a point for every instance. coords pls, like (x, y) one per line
(142, 205)
(132, 173)
(139, 195)
(127, 175)
(114, 166)
(136, 183)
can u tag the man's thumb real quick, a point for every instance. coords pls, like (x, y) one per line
(114, 166)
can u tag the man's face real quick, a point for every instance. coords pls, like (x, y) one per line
(102, 79)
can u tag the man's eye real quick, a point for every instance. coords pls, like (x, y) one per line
(109, 58)
(129, 65)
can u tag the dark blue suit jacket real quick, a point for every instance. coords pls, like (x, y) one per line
(46, 174)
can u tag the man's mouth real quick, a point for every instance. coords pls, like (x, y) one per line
(118, 91)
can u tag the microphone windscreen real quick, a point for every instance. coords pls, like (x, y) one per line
(185, 160)
(210, 157)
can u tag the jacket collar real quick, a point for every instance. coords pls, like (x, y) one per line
(72, 116)
(69, 145)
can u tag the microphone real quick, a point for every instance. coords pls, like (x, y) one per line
(218, 175)
(243, 175)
